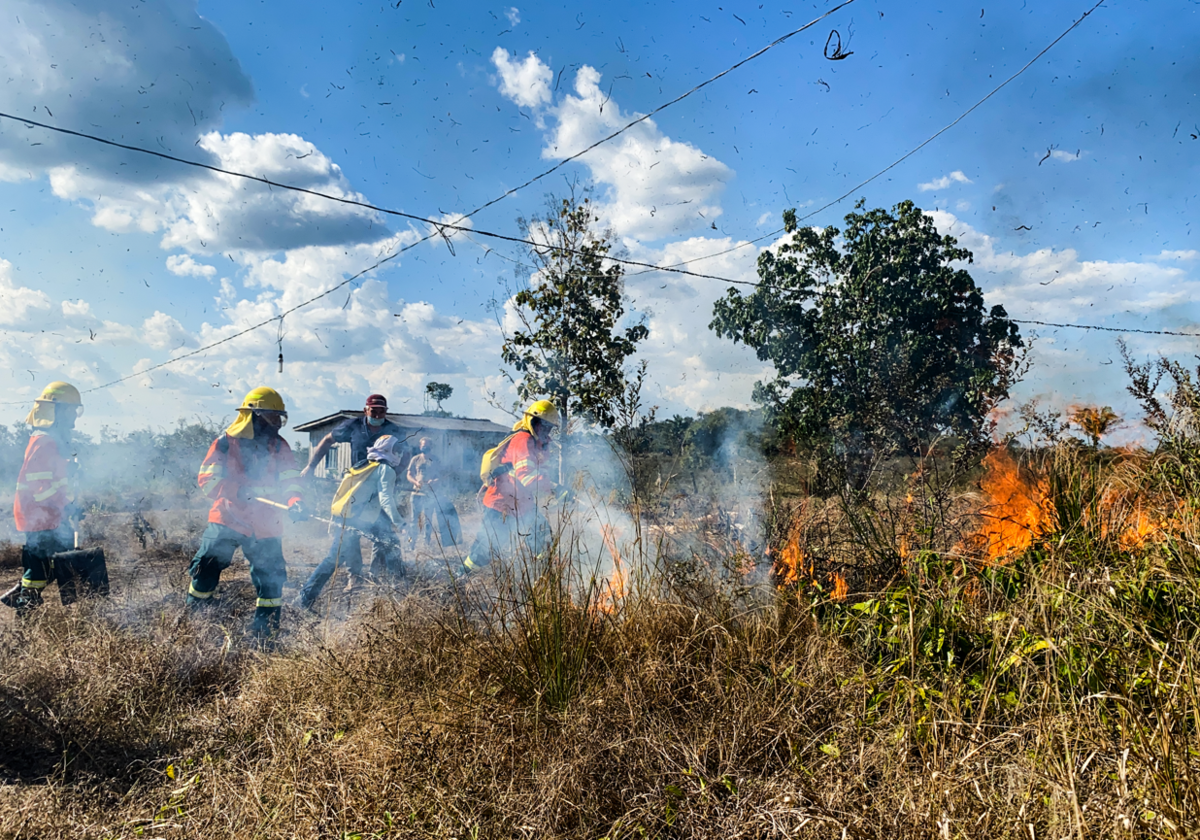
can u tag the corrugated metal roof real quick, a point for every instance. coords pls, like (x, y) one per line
(410, 421)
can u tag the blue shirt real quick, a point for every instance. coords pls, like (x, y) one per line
(360, 435)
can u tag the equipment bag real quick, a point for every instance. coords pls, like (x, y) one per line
(491, 465)
(351, 490)
(85, 567)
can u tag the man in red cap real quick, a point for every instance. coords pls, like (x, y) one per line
(361, 433)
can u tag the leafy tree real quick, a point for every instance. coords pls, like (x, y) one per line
(569, 347)
(439, 392)
(880, 342)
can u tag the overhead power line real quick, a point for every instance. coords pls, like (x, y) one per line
(438, 227)
(907, 154)
(1106, 329)
(376, 208)
(781, 39)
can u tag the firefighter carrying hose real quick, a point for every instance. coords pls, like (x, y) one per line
(248, 461)
(364, 505)
(44, 506)
(516, 484)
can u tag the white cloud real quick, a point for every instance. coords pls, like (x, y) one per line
(162, 332)
(1189, 254)
(764, 218)
(214, 214)
(527, 82)
(282, 248)
(18, 303)
(691, 369)
(1066, 157)
(13, 174)
(655, 186)
(185, 266)
(955, 177)
(1061, 287)
(514, 15)
(76, 309)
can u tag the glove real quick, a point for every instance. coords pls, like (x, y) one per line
(73, 513)
(297, 512)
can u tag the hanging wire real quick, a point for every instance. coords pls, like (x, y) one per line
(439, 227)
(907, 154)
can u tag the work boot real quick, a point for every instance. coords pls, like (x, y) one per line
(12, 597)
(22, 599)
(265, 627)
(354, 583)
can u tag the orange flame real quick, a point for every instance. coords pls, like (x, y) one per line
(1015, 510)
(615, 587)
(1143, 527)
(791, 565)
(840, 587)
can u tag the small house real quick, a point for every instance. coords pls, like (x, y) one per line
(458, 442)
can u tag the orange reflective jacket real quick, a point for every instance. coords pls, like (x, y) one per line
(42, 491)
(516, 490)
(236, 470)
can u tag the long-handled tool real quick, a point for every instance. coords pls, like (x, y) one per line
(324, 519)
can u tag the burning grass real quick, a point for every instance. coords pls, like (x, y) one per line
(1046, 690)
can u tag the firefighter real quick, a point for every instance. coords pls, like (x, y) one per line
(365, 504)
(43, 507)
(517, 484)
(247, 462)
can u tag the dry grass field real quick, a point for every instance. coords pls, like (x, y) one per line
(1016, 661)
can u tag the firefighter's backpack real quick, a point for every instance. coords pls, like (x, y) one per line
(490, 466)
(351, 495)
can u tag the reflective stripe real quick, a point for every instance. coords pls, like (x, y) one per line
(27, 583)
(214, 469)
(524, 462)
(39, 476)
(45, 494)
(270, 602)
(210, 488)
(529, 479)
(196, 593)
(472, 566)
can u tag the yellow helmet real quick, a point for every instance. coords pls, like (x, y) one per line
(545, 410)
(266, 399)
(260, 399)
(43, 413)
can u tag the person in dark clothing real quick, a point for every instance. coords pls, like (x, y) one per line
(365, 505)
(360, 432)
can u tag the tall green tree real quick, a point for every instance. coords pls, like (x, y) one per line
(438, 392)
(878, 335)
(570, 345)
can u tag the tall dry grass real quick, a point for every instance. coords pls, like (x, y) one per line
(1050, 695)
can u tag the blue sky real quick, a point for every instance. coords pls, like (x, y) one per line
(1073, 185)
